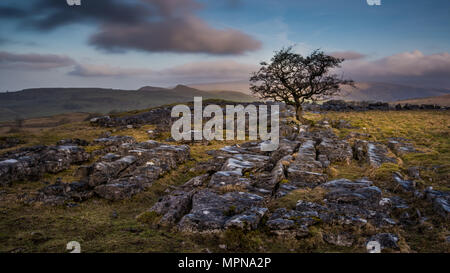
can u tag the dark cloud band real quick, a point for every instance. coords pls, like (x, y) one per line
(181, 35)
(147, 25)
(33, 61)
(347, 55)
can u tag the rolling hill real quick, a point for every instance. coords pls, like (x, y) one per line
(235, 86)
(386, 92)
(41, 102)
(443, 100)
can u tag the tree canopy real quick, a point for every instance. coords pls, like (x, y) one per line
(295, 79)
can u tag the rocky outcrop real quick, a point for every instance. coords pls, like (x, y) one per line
(341, 105)
(331, 150)
(157, 116)
(359, 193)
(211, 211)
(73, 141)
(404, 185)
(242, 180)
(347, 203)
(60, 193)
(440, 201)
(120, 189)
(285, 193)
(139, 165)
(172, 207)
(399, 148)
(339, 239)
(161, 118)
(114, 140)
(305, 170)
(9, 142)
(373, 153)
(240, 186)
(386, 240)
(32, 162)
(236, 194)
(103, 172)
(285, 222)
(123, 174)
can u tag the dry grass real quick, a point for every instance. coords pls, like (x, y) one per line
(429, 131)
(289, 201)
(232, 188)
(443, 100)
(34, 228)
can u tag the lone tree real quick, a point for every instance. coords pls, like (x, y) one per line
(294, 79)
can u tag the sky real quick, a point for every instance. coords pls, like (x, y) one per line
(127, 44)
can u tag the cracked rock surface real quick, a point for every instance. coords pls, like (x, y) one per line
(240, 187)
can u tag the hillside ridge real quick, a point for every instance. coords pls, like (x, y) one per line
(39, 102)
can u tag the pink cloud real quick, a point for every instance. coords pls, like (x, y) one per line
(33, 61)
(347, 55)
(413, 63)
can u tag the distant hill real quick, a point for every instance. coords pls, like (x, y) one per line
(387, 92)
(41, 102)
(243, 87)
(443, 100)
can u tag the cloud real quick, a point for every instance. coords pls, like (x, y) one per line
(219, 69)
(411, 68)
(170, 8)
(347, 55)
(4, 41)
(44, 15)
(146, 25)
(84, 70)
(33, 61)
(190, 72)
(212, 70)
(11, 12)
(181, 35)
(231, 4)
(413, 63)
(407, 67)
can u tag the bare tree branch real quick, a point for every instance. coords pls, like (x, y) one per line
(294, 79)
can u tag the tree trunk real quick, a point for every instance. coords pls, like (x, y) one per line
(299, 114)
